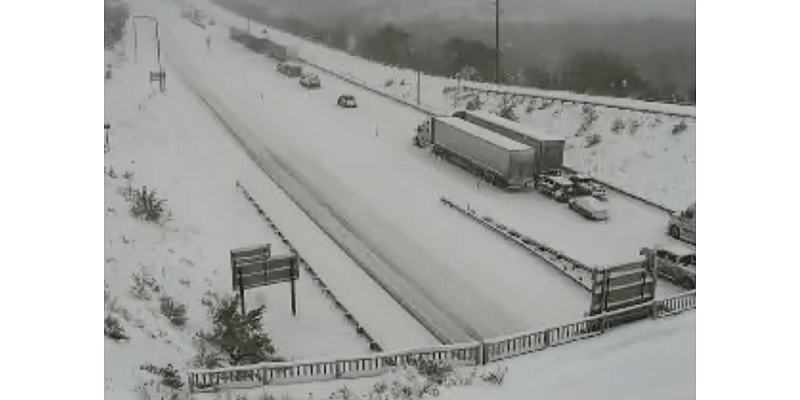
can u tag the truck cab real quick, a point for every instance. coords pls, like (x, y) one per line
(683, 226)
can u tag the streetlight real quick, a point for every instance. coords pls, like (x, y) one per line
(497, 73)
(160, 75)
(136, 35)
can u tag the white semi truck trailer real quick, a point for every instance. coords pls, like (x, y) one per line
(502, 161)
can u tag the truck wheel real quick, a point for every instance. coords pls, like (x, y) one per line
(675, 232)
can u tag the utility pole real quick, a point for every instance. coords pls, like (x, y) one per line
(497, 73)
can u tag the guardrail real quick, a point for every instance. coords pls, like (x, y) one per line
(667, 109)
(468, 354)
(676, 304)
(310, 371)
(349, 317)
(572, 268)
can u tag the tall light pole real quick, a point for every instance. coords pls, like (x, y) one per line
(136, 41)
(497, 73)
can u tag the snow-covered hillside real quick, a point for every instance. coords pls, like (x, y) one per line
(650, 155)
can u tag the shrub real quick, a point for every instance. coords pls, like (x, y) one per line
(680, 127)
(617, 125)
(110, 172)
(169, 375)
(507, 111)
(174, 311)
(593, 140)
(239, 338)
(474, 103)
(147, 206)
(436, 371)
(113, 329)
(634, 126)
(495, 376)
(143, 285)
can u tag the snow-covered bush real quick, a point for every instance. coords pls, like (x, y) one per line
(169, 375)
(436, 371)
(147, 206)
(506, 111)
(144, 285)
(593, 139)
(680, 127)
(113, 329)
(617, 125)
(474, 103)
(174, 311)
(495, 376)
(634, 126)
(239, 338)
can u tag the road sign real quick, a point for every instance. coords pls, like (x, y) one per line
(620, 287)
(254, 266)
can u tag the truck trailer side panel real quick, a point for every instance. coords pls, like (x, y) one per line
(480, 152)
(549, 148)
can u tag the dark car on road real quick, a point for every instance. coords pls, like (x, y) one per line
(310, 80)
(347, 101)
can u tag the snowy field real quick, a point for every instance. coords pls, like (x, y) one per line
(638, 151)
(653, 360)
(171, 144)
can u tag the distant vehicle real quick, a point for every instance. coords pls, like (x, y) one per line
(290, 69)
(310, 80)
(346, 101)
(503, 162)
(586, 186)
(677, 264)
(589, 207)
(683, 225)
(187, 12)
(549, 148)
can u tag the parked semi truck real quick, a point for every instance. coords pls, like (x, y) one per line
(549, 148)
(502, 161)
(682, 225)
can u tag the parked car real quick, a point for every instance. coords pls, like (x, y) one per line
(310, 80)
(557, 187)
(346, 101)
(589, 208)
(586, 186)
(677, 264)
(290, 69)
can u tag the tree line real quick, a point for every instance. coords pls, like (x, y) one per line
(589, 71)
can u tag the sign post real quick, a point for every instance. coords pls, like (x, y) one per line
(107, 127)
(255, 266)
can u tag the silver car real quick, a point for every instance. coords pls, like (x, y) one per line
(589, 207)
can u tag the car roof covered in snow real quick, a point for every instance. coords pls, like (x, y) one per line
(589, 203)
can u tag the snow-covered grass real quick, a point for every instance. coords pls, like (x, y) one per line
(645, 157)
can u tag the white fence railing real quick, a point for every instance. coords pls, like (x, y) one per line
(468, 354)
